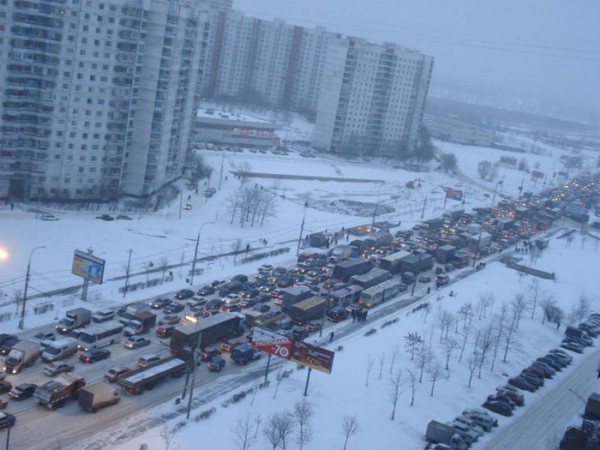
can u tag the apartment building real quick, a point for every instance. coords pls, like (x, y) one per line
(94, 95)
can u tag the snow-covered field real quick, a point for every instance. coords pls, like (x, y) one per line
(169, 236)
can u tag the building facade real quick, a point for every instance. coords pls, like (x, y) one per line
(95, 97)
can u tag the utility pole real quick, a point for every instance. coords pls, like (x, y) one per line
(196, 252)
(424, 204)
(301, 228)
(127, 274)
(22, 320)
(221, 175)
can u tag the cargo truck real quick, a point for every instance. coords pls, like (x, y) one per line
(147, 377)
(343, 270)
(55, 393)
(392, 262)
(75, 318)
(60, 349)
(92, 398)
(440, 433)
(142, 322)
(371, 278)
(311, 308)
(294, 294)
(245, 353)
(204, 332)
(23, 354)
(339, 253)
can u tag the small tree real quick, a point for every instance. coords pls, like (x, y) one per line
(546, 303)
(435, 371)
(448, 161)
(412, 342)
(484, 168)
(242, 431)
(412, 384)
(285, 425)
(535, 294)
(580, 310)
(424, 358)
(394, 391)
(472, 363)
(381, 363)
(445, 319)
(395, 351)
(349, 428)
(518, 305)
(449, 346)
(303, 413)
(368, 367)
(271, 431)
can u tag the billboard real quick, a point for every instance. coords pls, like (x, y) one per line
(272, 343)
(88, 267)
(454, 194)
(314, 357)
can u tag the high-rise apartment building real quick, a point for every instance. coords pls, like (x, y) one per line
(94, 95)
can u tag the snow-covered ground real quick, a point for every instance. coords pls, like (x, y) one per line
(169, 237)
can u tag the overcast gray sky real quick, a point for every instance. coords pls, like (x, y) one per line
(543, 49)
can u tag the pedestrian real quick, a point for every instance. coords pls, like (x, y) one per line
(353, 316)
(331, 337)
(365, 315)
(428, 289)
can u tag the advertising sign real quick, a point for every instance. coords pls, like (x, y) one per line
(88, 267)
(273, 343)
(314, 357)
(454, 194)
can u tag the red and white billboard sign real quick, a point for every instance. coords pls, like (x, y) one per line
(273, 343)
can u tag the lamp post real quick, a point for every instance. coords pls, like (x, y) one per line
(196, 252)
(22, 320)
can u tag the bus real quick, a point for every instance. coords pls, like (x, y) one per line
(100, 336)
(379, 293)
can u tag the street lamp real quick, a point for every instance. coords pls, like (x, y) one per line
(196, 251)
(22, 321)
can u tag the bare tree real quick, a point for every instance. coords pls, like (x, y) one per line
(381, 363)
(465, 334)
(445, 319)
(426, 311)
(412, 341)
(285, 426)
(271, 431)
(485, 344)
(242, 431)
(412, 384)
(546, 302)
(424, 357)
(279, 379)
(164, 266)
(499, 328)
(518, 304)
(510, 332)
(394, 390)
(303, 413)
(449, 346)
(486, 300)
(236, 246)
(484, 168)
(170, 443)
(435, 371)
(535, 294)
(395, 351)
(368, 367)
(580, 310)
(472, 365)
(466, 314)
(349, 428)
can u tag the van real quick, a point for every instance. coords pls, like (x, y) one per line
(60, 349)
(337, 314)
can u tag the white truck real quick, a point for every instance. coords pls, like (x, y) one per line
(440, 433)
(75, 318)
(23, 354)
(60, 349)
(92, 398)
(57, 392)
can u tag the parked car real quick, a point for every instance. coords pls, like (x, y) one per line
(183, 294)
(206, 290)
(48, 217)
(6, 344)
(5, 386)
(146, 360)
(103, 316)
(208, 354)
(498, 407)
(3, 403)
(22, 391)
(521, 383)
(135, 342)
(164, 331)
(93, 355)
(534, 380)
(58, 367)
(216, 364)
(561, 354)
(540, 370)
(169, 320)
(159, 303)
(516, 397)
(106, 217)
(43, 336)
(7, 420)
(482, 418)
(501, 397)
(424, 278)
(556, 366)
(116, 372)
(173, 308)
(468, 423)
(572, 346)
(247, 302)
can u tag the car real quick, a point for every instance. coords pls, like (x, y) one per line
(470, 424)
(48, 217)
(557, 360)
(231, 299)
(206, 290)
(501, 397)
(248, 302)
(103, 316)
(7, 420)
(312, 326)
(498, 407)
(196, 302)
(148, 359)
(5, 386)
(299, 334)
(174, 307)
(159, 303)
(215, 303)
(228, 345)
(43, 336)
(540, 370)
(262, 308)
(208, 354)
(262, 297)
(573, 346)
(187, 206)
(210, 312)
(230, 308)
(93, 355)
(265, 268)
(164, 331)
(251, 292)
(7, 344)
(532, 379)
(516, 397)
(117, 372)
(481, 418)
(521, 383)
(216, 364)
(22, 391)
(424, 278)
(562, 354)
(3, 403)
(169, 320)
(58, 367)
(123, 217)
(134, 342)
(183, 294)
(468, 434)
(105, 217)
(555, 365)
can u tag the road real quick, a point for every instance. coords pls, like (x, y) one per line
(541, 425)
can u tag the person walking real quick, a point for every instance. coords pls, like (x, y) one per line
(331, 336)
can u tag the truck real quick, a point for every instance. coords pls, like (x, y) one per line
(60, 349)
(417, 263)
(392, 262)
(592, 407)
(343, 270)
(311, 308)
(339, 253)
(147, 377)
(23, 354)
(440, 433)
(245, 353)
(204, 332)
(371, 278)
(97, 396)
(75, 318)
(143, 322)
(380, 293)
(55, 393)
(294, 294)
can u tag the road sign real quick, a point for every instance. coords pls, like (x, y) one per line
(315, 357)
(273, 343)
